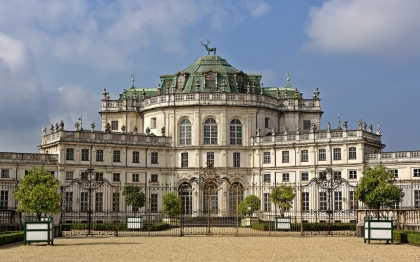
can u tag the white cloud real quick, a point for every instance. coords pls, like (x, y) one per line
(374, 26)
(257, 8)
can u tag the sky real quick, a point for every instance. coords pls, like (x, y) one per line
(57, 57)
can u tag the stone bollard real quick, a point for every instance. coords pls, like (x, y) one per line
(360, 229)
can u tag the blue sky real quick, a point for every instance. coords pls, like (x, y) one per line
(57, 56)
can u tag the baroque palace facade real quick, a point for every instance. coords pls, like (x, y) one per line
(256, 136)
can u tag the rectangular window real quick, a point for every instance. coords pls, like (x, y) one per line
(306, 124)
(153, 122)
(352, 153)
(184, 159)
(267, 157)
(154, 158)
(267, 122)
(337, 153)
(115, 202)
(154, 178)
(136, 157)
(69, 153)
(322, 154)
(304, 176)
(69, 175)
(84, 201)
(114, 125)
(338, 203)
(99, 155)
(4, 199)
(337, 174)
(26, 172)
(322, 201)
(352, 202)
(116, 156)
(153, 202)
(285, 156)
(305, 201)
(116, 177)
(267, 178)
(85, 155)
(5, 173)
(304, 156)
(99, 176)
(267, 202)
(416, 173)
(286, 177)
(210, 156)
(395, 173)
(99, 201)
(417, 198)
(135, 177)
(69, 202)
(236, 159)
(352, 174)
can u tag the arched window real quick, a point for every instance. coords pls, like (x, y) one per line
(236, 195)
(185, 193)
(210, 132)
(185, 132)
(235, 132)
(180, 83)
(210, 81)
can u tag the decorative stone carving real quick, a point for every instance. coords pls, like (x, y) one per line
(92, 126)
(278, 93)
(61, 125)
(107, 128)
(378, 130)
(57, 127)
(262, 89)
(345, 125)
(223, 86)
(147, 130)
(52, 129)
(364, 126)
(273, 131)
(162, 130)
(360, 124)
(44, 131)
(313, 127)
(298, 130)
(316, 94)
(125, 94)
(258, 131)
(248, 88)
(285, 130)
(135, 130)
(76, 126)
(328, 126)
(123, 128)
(370, 128)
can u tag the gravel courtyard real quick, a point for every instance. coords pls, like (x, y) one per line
(199, 248)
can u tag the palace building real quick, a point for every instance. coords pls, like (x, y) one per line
(256, 138)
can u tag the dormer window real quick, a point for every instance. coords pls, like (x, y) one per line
(210, 81)
(180, 81)
(240, 83)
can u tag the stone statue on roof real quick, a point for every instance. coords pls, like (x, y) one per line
(107, 128)
(44, 130)
(92, 126)
(135, 130)
(61, 125)
(370, 128)
(209, 49)
(378, 130)
(52, 129)
(360, 124)
(76, 126)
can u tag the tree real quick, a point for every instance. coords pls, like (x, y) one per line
(38, 192)
(171, 204)
(283, 197)
(134, 196)
(376, 188)
(249, 205)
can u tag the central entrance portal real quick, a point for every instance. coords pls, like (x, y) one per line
(207, 217)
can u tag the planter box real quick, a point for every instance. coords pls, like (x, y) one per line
(39, 231)
(379, 230)
(282, 223)
(248, 221)
(172, 221)
(134, 222)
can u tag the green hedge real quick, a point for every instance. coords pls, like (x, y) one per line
(410, 237)
(266, 226)
(10, 237)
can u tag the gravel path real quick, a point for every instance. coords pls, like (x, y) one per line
(199, 248)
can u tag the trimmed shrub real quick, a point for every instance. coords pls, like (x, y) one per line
(414, 239)
(308, 226)
(11, 237)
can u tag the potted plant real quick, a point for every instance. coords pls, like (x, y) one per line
(282, 197)
(172, 209)
(247, 207)
(136, 198)
(377, 189)
(38, 193)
